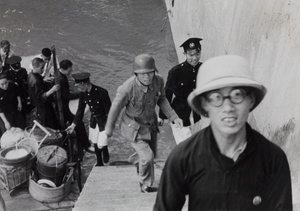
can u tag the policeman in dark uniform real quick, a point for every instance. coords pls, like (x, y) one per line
(98, 100)
(18, 75)
(65, 69)
(180, 83)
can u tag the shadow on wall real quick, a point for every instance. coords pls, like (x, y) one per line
(280, 135)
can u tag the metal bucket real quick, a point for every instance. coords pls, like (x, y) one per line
(52, 163)
(49, 195)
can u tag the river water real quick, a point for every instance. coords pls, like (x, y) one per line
(98, 36)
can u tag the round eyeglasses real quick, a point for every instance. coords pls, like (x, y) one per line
(216, 99)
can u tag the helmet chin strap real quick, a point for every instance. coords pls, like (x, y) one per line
(143, 83)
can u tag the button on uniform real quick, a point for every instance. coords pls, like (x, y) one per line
(257, 200)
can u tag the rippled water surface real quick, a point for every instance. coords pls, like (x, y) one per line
(99, 36)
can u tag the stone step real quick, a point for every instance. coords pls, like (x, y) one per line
(115, 188)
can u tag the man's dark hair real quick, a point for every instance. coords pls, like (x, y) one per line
(65, 64)
(46, 52)
(36, 62)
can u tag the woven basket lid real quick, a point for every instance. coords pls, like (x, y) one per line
(51, 155)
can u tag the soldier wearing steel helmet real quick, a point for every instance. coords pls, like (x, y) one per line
(139, 95)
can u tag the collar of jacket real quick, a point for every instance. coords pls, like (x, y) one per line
(250, 148)
(190, 66)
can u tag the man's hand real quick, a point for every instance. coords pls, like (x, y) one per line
(108, 133)
(49, 79)
(71, 128)
(19, 106)
(7, 125)
(55, 88)
(178, 122)
(160, 121)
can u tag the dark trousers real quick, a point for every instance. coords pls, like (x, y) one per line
(81, 134)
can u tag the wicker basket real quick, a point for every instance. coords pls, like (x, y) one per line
(48, 194)
(14, 176)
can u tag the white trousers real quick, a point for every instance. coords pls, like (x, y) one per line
(96, 137)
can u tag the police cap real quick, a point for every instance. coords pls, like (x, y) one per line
(81, 77)
(191, 44)
(14, 60)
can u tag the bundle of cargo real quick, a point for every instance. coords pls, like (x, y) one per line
(18, 156)
(11, 136)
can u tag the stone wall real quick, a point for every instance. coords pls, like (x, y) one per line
(267, 33)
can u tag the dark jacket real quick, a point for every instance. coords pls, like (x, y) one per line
(258, 180)
(81, 133)
(180, 83)
(20, 79)
(65, 96)
(99, 103)
(9, 106)
(37, 89)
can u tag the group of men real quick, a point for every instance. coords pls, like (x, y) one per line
(42, 92)
(225, 166)
(140, 94)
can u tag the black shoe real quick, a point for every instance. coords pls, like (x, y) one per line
(98, 153)
(147, 189)
(99, 164)
(105, 154)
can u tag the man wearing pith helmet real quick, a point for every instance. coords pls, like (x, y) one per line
(180, 83)
(139, 95)
(228, 165)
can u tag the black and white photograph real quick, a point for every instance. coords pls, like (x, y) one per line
(149, 105)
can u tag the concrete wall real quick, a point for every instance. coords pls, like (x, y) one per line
(268, 34)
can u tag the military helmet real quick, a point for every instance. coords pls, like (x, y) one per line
(144, 63)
